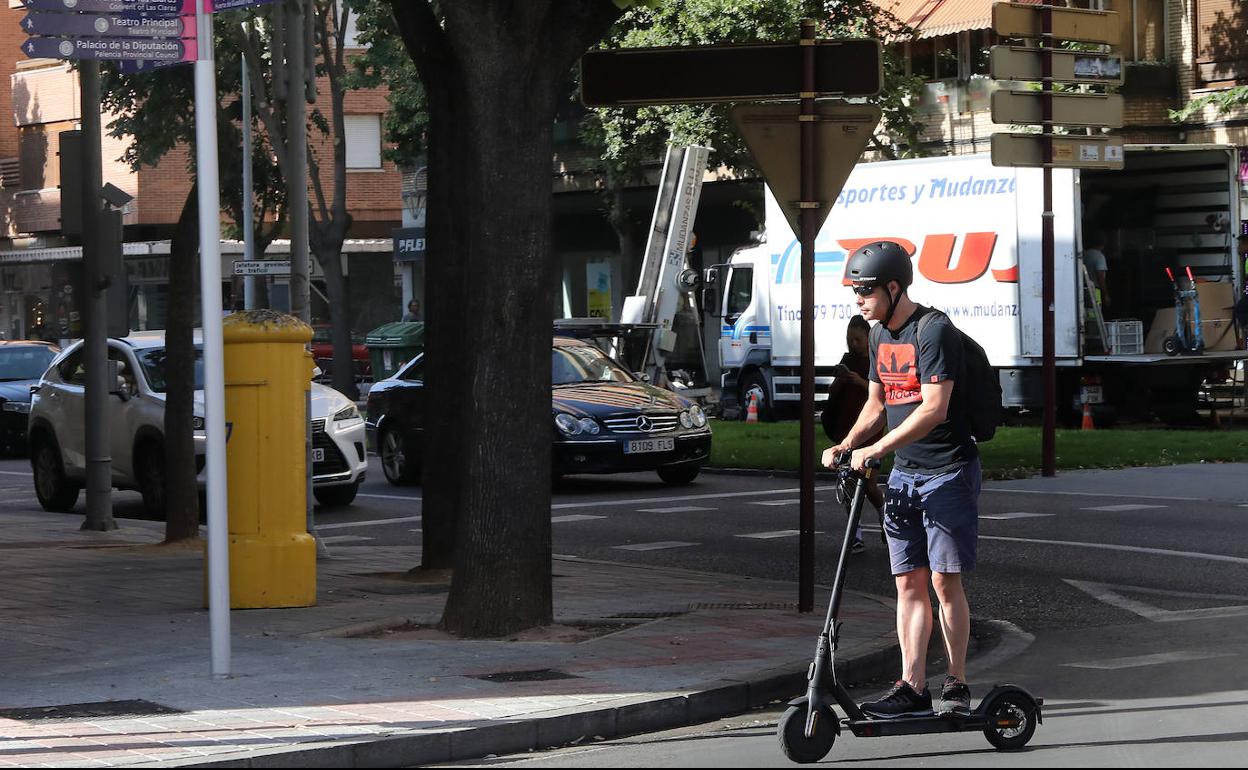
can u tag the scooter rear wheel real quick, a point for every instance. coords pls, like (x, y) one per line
(793, 741)
(1013, 718)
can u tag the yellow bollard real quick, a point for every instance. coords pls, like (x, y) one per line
(268, 373)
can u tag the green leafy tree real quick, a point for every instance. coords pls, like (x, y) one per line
(1223, 102)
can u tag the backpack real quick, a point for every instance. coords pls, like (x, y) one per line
(982, 386)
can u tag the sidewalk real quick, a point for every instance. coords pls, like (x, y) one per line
(106, 657)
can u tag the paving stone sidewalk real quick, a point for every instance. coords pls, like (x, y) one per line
(113, 618)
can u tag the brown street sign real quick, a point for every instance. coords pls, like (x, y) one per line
(1023, 107)
(1069, 151)
(771, 131)
(1012, 63)
(1019, 20)
(727, 73)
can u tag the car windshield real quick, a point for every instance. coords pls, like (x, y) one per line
(153, 361)
(24, 363)
(582, 363)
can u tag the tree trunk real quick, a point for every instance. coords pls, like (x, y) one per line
(626, 232)
(181, 489)
(343, 375)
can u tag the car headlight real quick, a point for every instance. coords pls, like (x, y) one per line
(197, 423)
(590, 426)
(349, 412)
(685, 420)
(568, 424)
(699, 416)
(17, 406)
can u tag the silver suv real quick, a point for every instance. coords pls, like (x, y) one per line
(136, 429)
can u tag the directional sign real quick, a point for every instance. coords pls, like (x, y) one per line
(262, 267)
(144, 7)
(139, 66)
(233, 5)
(1010, 63)
(1024, 20)
(1095, 110)
(1069, 151)
(727, 73)
(112, 24)
(771, 131)
(109, 48)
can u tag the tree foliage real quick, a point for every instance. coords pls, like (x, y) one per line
(1223, 102)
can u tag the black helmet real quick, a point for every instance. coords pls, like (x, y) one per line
(879, 262)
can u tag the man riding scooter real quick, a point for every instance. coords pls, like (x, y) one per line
(931, 509)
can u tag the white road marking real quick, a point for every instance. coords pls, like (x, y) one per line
(344, 539)
(1113, 664)
(682, 498)
(1085, 494)
(1113, 596)
(17, 473)
(389, 497)
(574, 517)
(654, 546)
(781, 502)
(1127, 507)
(1013, 515)
(777, 533)
(677, 509)
(370, 523)
(1126, 548)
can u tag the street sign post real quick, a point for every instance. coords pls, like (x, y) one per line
(141, 7)
(110, 48)
(1051, 26)
(728, 73)
(1024, 107)
(107, 24)
(806, 70)
(262, 267)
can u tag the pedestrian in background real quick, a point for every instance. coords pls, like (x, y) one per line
(413, 311)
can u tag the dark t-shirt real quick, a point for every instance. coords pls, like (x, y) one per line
(902, 363)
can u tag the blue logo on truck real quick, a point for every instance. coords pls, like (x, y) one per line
(787, 267)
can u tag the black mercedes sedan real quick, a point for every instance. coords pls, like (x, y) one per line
(22, 363)
(603, 420)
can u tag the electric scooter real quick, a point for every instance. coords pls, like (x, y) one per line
(1189, 341)
(1007, 715)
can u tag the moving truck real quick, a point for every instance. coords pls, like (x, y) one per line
(974, 232)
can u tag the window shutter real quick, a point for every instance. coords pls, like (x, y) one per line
(1222, 40)
(363, 141)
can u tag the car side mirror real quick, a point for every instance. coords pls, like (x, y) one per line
(710, 292)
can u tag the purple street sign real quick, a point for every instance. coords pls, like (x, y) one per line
(140, 66)
(145, 7)
(113, 25)
(234, 5)
(110, 48)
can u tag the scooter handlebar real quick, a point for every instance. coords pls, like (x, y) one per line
(841, 460)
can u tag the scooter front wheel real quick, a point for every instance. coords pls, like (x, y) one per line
(1013, 720)
(793, 741)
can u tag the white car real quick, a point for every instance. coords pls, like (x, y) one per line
(137, 418)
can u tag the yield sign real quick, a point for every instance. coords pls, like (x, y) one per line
(771, 131)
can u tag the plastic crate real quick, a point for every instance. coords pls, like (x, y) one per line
(1126, 338)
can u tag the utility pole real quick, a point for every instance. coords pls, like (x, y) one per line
(249, 225)
(95, 345)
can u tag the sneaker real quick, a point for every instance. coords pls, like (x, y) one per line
(955, 698)
(901, 701)
(858, 546)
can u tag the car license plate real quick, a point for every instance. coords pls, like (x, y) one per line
(643, 445)
(318, 455)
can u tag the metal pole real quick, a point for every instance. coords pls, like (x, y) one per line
(809, 227)
(249, 226)
(1048, 460)
(214, 360)
(95, 346)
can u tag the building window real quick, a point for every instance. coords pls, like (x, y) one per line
(1222, 41)
(363, 141)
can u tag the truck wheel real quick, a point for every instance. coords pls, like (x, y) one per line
(756, 383)
(56, 493)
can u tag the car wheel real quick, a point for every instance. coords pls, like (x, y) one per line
(56, 493)
(150, 470)
(395, 463)
(336, 497)
(680, 474)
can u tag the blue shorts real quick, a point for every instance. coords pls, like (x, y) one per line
(932, 520)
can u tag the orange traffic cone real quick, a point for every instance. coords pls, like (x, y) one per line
(1087, 417)
(751, 413)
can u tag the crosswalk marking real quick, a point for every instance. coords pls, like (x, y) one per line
(654, 546)
(677, 509)
(792, 501)
(1012, 515)
(773, 535)
(574, 517)
(1158, 659)
(344, 539)
(1126, 507)
(370, 523)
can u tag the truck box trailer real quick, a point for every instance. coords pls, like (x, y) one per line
(974, 232)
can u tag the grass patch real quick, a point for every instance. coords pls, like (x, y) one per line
(1013, 453)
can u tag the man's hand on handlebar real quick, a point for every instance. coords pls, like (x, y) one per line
(862, 457)
(831, 457)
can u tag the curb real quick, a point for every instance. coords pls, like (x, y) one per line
(630, 716)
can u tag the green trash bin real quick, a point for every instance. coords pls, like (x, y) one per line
(394, 344)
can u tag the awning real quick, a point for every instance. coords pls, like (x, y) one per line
(932, 18)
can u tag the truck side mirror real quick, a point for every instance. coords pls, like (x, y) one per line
(710, 292)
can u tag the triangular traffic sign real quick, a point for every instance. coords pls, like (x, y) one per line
(771, 131)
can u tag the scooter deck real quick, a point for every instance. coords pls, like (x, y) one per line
(954, 723)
